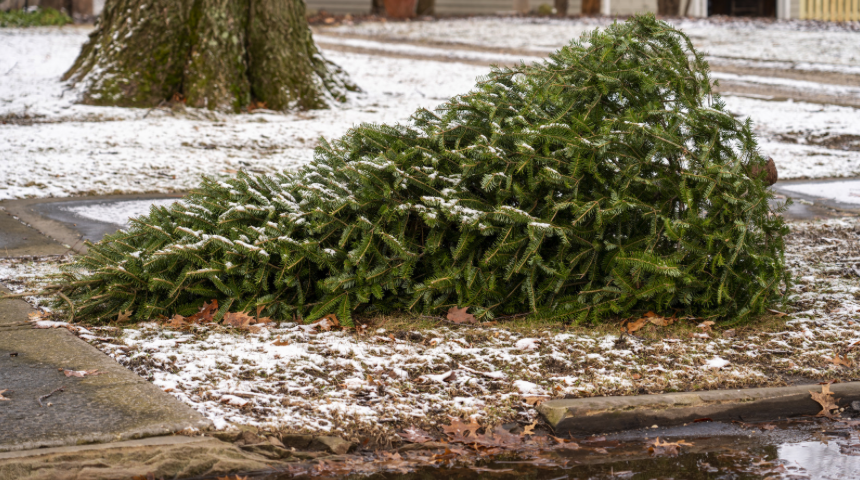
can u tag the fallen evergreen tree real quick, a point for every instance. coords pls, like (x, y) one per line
(607, 181)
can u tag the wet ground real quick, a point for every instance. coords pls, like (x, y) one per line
(803, 448)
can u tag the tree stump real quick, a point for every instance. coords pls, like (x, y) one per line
(216, 54)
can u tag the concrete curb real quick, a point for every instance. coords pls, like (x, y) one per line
(585, 416)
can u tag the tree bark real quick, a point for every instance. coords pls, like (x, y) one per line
(215, 54)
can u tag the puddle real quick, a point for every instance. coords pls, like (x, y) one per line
(844, 192)
(94, 219)
(809, 448)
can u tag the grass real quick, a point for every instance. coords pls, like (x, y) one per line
(40, 17)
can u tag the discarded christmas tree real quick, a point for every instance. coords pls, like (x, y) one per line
(606, 181)
(208, 53)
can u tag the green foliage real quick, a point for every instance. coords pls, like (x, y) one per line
(41, 17)
(607, 181)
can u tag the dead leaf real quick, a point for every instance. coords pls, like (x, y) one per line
(705, 326)
(177, 321)
(280, 343)
(655, 319)
(730, 333)
(825, 399)
(123, 316)
(82, 373)
(2, 397)
(206, 313)
(635, 376)
(535, 401)
(777, 313)
(657, 447)
(326, 323)
(238, 320)
(459, 316)
(415, 435)
(634, 326)
(458, 430)
(841, 361)
(530, 429)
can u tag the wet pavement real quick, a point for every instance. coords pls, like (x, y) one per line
(801, 448)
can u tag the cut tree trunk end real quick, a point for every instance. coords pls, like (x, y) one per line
(217, 54)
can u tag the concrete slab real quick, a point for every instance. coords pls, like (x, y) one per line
(160, 457)
(588, 416)
(117, 405)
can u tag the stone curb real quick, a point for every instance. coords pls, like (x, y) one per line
(587, 416)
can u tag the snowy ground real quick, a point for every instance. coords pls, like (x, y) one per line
(50, 146)
(376, 381)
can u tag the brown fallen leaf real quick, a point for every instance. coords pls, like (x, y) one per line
(123, 317)
(777, 313)
(655, 319)
(177, 321)
(206, 313)
(841, 361)
(327, 322)
(705, 326)
(280, 343)
(83, 373)
(635, 376)
(636, 325)
(535, 400)
(730, 333)
(238, 320)
(458, 430)
(415, 435)
(459, 315)
(825, 399)
(530, 429)
(2, 397)
(657, 447)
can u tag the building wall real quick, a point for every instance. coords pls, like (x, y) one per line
(630, 7)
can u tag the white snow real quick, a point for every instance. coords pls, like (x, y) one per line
(51, 146)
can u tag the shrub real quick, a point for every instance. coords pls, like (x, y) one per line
(38, 17)
(606, 181)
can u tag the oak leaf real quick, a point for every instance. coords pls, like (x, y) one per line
(459, 315)
(177, 321)
(841, 361)
(123, 317)
(706, 325)
(825, 399)
(458, 430)
(667, 448)
(530, 429)
(238, 320)
(535, 400)
(280, 343)
(636, 325)
(206, 313)
(415, 435)
(327, 322)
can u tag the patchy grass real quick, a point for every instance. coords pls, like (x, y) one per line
(40, 17)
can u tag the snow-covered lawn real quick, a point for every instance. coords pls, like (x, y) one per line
(51, 146)
(299, 378)
(792, 41)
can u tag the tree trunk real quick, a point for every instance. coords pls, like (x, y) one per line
(216, 54)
